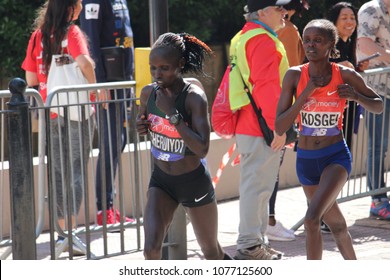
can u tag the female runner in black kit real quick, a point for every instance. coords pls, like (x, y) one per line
(175, 115)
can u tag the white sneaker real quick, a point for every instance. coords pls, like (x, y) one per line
(279, 233)
(257, 253)
(61, 247)
(77, 251)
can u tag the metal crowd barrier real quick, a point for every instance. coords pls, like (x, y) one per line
(379, 80)
(129, 179)
(356, 186)
(132, 175)
(95, 111)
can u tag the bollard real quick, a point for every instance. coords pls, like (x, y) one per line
(158, 18)
(21, 174)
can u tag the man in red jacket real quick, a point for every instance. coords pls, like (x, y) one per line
(263, 64)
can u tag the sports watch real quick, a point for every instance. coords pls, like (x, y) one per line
(175, 118)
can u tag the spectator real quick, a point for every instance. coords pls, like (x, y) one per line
(290, 36)
(292, 42)
(55, 24)
(323, 158)
(344, 16)
(258, 162)
(175, 111)
(373, 36)
(107, 24)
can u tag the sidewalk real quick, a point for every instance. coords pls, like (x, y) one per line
(371, 237)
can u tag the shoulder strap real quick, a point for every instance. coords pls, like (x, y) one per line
(180, 103)
(253, 103)
(267, 132)
(34, 42)
(64, 43)
(151, 104)
(262, 122)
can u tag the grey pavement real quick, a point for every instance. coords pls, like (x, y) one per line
(371, 238)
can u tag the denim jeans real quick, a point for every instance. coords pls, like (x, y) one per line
(378, 135)
(110, 128)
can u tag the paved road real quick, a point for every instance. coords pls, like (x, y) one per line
(371, 237)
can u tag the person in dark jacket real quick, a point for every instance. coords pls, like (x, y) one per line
(107, 25)
(344, 17)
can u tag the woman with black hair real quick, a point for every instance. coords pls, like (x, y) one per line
(56, 33)
(174, 114)
(344, 17)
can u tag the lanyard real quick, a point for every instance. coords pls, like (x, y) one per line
(266, 27)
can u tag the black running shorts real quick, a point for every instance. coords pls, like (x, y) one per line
(191, 189)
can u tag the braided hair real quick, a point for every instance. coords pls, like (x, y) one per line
(186, 46)
(331, 31)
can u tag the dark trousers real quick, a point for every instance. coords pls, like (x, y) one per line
(110, 149)
(272, 200)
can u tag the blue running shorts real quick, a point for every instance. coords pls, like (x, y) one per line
(311, 163)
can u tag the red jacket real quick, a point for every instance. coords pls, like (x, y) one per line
(264, 62)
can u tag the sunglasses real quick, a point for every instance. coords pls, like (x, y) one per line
(277, 8)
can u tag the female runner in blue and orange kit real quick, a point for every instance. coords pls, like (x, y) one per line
(321, 90)
(174, 114)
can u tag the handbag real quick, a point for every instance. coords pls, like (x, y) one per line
(291, 133)
(113, 62)
(64, 71)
